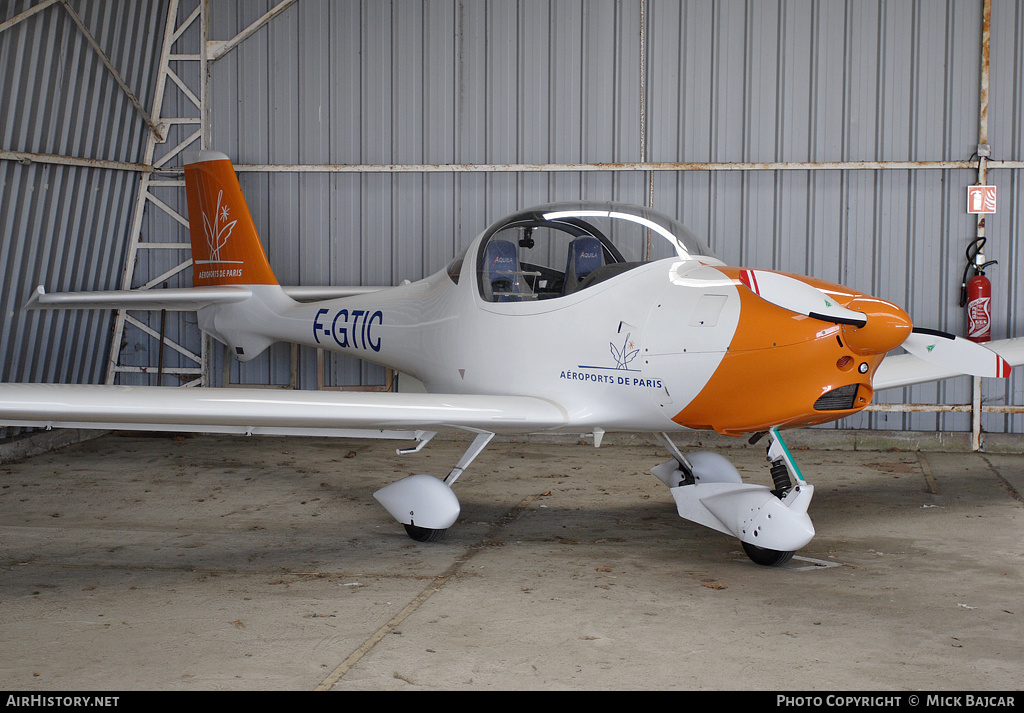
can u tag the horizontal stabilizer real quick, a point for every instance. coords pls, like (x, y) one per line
(312, 293)
(180, 299)
(183, 298)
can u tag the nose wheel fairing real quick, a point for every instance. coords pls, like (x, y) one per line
(751, 513)
(708, 490)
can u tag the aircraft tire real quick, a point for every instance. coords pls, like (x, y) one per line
(764, 556)
(424, 534)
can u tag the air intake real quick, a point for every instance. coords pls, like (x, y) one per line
(840, 399)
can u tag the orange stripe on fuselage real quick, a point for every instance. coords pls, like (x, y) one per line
(777, 365)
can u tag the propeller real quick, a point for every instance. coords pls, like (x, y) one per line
(881, 327)
(955, 353)
(799, 297)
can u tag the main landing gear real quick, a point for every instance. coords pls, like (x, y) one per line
(426, 505)
(771, 523)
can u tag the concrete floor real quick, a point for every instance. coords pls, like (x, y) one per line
(197, 563)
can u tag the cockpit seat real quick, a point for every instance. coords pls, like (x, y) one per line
(502, 273)
(585, 256)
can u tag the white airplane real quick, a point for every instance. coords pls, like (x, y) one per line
(552, 320)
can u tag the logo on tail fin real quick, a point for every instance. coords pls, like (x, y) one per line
(217, 235)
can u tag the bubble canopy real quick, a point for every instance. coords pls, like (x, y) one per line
(625, 225)
(557, 249)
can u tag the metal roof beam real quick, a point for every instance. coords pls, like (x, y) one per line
(27, 158)
(154, 127)
(27, 14)
(218, 48)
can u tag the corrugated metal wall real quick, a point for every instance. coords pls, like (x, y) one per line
(1006, 227)
(62, 226)
(532, 82)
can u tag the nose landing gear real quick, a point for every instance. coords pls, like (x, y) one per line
(771, 524)
(781, 461)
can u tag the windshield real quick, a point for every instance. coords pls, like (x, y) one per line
(561, 248)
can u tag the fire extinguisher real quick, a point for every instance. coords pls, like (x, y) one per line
(976, 294)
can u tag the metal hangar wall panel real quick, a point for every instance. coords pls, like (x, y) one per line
(71, 142)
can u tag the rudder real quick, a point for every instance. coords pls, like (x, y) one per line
(226, 249)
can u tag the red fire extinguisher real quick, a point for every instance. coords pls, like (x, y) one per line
(979, 308)
(976, 295)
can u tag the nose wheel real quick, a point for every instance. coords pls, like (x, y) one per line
(764, 556)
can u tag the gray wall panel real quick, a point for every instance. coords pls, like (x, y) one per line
(66, 227)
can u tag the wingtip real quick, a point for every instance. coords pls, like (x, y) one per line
(33, 300)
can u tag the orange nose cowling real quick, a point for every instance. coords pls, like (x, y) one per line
(780, 363)
(887, 327)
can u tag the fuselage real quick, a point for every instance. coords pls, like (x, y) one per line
(667, 345)
(616, 313)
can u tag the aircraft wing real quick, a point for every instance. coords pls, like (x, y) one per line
(907, 369)
(270, 411)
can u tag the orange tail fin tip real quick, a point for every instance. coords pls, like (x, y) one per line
(226, 249)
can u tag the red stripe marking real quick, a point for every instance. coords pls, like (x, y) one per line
(747, 278)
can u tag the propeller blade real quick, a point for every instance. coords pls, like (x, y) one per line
(799, 297)
(955, 353)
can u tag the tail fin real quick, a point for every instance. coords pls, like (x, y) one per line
(225, 247)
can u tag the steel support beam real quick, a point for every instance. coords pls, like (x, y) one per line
(146, 200)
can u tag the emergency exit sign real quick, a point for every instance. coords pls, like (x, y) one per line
(981, 199)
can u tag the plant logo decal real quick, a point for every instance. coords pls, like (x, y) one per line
(217, 234)
(625, 355)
